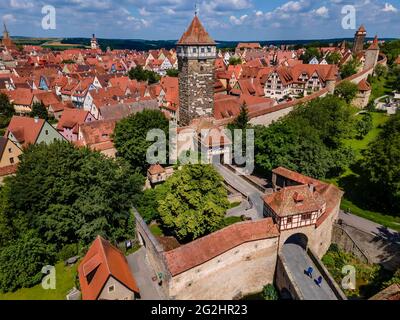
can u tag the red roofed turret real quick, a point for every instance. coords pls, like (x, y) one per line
(196, 34)
(375, 44)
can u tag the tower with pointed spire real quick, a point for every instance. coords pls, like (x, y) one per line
(196, 52)
(5, 32)
(6, 41)
(93, 43)
(359, 40)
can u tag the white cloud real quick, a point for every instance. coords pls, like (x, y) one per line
(322, 12)
(238, 21)
(20, 4)
(9, 18)
(389, 8)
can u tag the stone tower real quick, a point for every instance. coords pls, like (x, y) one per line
(359, 40)
(93, 43)
(372, 55)
(6, 35)
(197, 52)
(7, 42)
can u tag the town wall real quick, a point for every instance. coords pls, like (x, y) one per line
(243, 270)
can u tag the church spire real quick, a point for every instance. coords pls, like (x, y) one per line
(5, 32)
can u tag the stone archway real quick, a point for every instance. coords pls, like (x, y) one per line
(298, 238)
(285, 294)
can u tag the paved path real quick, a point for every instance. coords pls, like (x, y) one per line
(254, 195)
(369, 226)
(143, 274)
(297, 261)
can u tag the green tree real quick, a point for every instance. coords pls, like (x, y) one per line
(395, 280)
(309, 140)
(195, 203)
(270, 292)
(22, 261)
(39, 110)
(310, 53)
(137, 74)
(333, 58)
(140, 74)
(381, 164)
(242, 120)
(173, 73)
(364, 126)
(349, 68)
(381, 71)
(233, 61)
(70, 195)
(130, 136)
(347, 90)
(147, 204)
(6, 108)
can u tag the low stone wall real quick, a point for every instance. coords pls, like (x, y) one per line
(327, 276)
(154, 251)
(343, 239)
(284, 280)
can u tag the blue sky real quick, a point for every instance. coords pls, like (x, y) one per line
(224, 19)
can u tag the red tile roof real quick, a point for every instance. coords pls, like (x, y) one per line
(375, 44)
(156, 169)
(204, 249)
(294, 200)
(364, 85)
(22, 97)
(25, 130)
(97, 132)
(331, 194)
(104, 260)
(72, 118)
(196, 35)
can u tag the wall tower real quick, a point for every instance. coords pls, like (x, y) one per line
(197, 52)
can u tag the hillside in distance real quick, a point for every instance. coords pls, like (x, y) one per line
(145, 45)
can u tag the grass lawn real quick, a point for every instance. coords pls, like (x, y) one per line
(65, 282)
(378, 119)
(381, 87)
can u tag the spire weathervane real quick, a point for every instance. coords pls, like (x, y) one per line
(196, 9)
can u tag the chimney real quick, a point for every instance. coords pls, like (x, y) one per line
(36, 119)
(311, 186)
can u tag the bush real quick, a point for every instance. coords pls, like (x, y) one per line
(270, 292)
(68, 251)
